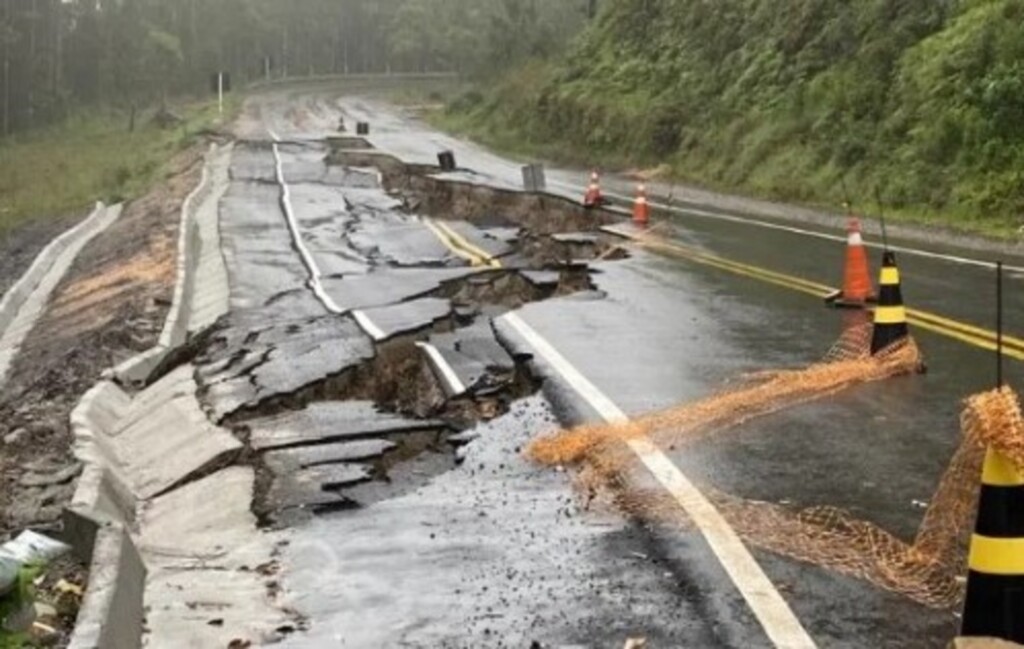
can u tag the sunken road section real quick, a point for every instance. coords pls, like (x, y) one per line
(344, 406)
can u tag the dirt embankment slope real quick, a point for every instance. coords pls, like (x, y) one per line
(110, 306)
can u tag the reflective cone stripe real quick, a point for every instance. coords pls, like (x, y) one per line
(891, 315)
(641, 209)
(857, 288)
(994, 605)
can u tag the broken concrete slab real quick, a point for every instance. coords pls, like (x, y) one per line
(542, 278)
(315, 486)
(331, 421)
(307, 456)
(252, 363)
(203, 548)
(397, 240)
(405, 317)
(494, 246)
(579, 238)
(171, 441)
(206, 520)
(390, 285)
(474, 355)
(332, 477)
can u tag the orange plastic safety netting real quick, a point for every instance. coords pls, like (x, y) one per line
(927, 569)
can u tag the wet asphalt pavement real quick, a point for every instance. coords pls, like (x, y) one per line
(496, 551)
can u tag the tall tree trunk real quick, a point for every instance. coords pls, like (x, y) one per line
(31, 76)
(57, 16)
(7, 67)
(284, 53)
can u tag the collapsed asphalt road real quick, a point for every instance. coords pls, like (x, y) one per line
(396, 339)
(360, 336)
(386, 400)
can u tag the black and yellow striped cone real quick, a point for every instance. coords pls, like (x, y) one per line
(994, 606)
(890, 315)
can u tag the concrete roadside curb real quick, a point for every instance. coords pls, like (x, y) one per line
(25, 301)
(162, 511)
(103, 509)
(96, 525)
(112, 615)
(196, 243)
(17, 294)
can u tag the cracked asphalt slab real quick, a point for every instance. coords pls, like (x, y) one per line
(415, 519)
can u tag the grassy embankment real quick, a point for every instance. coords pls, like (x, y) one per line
(806, 101)
(92, 156)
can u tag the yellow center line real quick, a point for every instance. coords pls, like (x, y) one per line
(465, 244)
(460, 246)
(1013, 347)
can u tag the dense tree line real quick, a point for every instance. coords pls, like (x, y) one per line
(922, 99)
(56, 55)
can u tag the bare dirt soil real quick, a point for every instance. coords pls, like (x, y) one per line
(19, 247)
(110, 306)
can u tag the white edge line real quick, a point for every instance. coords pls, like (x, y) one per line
(286, 201)
(776, 617)
(368, 325)
(967, 261)
(449, 375)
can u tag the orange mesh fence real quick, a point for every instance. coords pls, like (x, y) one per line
(928, 569)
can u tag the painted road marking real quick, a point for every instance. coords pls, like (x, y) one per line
(465, 244)
(460, 246)
(444, 239)
(368, 325)
(771, 610)
(733, 218)
(1013, 347)
(293, 227)
(455, 385)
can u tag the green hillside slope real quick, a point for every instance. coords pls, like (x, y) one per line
(793, 99)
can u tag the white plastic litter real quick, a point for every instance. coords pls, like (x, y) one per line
(32, 547)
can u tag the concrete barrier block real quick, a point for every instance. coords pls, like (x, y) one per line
(112, 615)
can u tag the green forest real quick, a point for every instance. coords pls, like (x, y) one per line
(803, 100)
(81, 80)
(58, 56)
(816, 101)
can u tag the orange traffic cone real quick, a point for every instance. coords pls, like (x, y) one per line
(857, 288)
(593, 197)
(641, 209)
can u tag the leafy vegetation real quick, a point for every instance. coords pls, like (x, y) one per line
(91, 156)
(59, 55)
(13, 602)
(481, 38)
(73, 71)
(806, 100)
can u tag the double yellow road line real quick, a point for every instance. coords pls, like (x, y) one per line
(460, 246)
(1013, 347)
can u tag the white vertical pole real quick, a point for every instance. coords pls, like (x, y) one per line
(220, 92)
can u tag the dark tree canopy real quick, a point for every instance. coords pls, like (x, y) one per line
(58, 54)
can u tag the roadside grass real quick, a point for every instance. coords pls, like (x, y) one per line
(811, 190)
(92, 156)
(14, 601)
